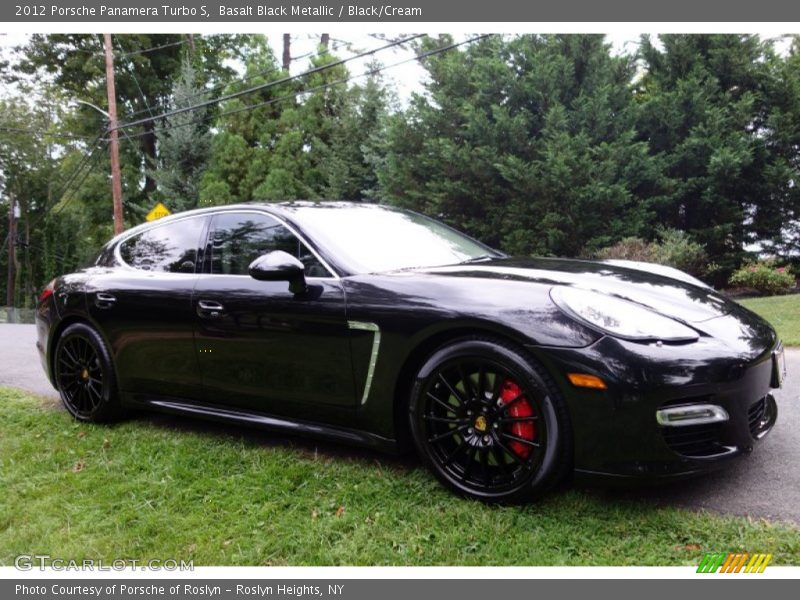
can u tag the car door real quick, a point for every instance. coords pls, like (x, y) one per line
(143, 307)
(259, 346)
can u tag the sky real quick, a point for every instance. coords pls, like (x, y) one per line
(405, 79)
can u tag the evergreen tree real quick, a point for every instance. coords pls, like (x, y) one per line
(296, 145)
(349, 169)
(528, 144)
(184, 146)
(775, 225)
(705, 116)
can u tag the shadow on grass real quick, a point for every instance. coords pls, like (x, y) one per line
(680, 492)
(271, 439)
(728, 490)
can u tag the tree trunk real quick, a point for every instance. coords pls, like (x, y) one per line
(287, 53)
(12, 258)
(326, 38)
(30, 290)
(149, 149)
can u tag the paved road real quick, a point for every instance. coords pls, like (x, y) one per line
(19, 360)
(765, 484)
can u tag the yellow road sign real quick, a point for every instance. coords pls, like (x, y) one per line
(159, 211)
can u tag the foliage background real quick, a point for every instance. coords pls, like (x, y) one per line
(537, 144)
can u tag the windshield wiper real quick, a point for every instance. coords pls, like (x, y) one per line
(481, 258)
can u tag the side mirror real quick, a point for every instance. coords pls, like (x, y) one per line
(279, 266)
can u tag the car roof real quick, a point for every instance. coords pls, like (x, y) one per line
(285, 209)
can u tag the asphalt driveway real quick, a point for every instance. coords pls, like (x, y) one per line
(765, 484)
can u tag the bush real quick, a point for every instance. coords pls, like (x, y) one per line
(764, 277)
(674, 248)
(630, 248)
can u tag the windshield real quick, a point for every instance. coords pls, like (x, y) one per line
(372, 238)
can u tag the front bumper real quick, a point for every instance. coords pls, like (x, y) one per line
(616, 432)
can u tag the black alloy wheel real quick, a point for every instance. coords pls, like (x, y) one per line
(489, 422)
(84, 375)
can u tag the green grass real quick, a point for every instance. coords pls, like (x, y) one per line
(155, 487)
(783, 312)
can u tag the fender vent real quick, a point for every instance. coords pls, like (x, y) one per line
(755, 414)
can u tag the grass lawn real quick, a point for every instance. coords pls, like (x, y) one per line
(782, 311)
(155, 487)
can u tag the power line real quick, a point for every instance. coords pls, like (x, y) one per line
(321, 87)
(143, 50)
(62, 192)
(223, 84)
(122, 54)
(70, 136)
(139, 87)
(88, 161)
(75, 173)
(267, 85)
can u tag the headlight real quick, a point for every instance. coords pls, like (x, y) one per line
(619, 317)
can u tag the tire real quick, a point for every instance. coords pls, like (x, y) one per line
(85, 376)
(489, 422)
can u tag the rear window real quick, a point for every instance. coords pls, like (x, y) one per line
(170, 248)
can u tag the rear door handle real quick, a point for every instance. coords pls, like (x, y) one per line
(104, 300)
(209, 309)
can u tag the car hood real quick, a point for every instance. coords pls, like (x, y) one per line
(676, 298)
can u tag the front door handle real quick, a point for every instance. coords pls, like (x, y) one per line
(209, 309)
(104, 300)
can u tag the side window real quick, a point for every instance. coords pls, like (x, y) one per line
(237, 239)
(171, 247)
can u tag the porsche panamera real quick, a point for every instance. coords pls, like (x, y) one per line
(376, 326)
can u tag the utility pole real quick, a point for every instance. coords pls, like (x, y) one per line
(287, 52)
(12, 257)
(116, 177)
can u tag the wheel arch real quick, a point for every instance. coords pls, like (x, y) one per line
(421, 350)
(59, 329)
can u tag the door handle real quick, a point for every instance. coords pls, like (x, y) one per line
(104, 300)
(208, 309)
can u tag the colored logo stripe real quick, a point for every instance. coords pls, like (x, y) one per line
(733, 562)
(711, 562)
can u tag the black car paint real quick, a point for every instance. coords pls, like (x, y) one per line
(168, 357)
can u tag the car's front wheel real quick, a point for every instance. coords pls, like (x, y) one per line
(489, 421)
(85, 375)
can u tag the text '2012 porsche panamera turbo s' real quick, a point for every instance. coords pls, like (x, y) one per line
(381, 327)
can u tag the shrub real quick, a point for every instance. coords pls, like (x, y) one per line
(630, 248)
(674, 248)
(764, 277)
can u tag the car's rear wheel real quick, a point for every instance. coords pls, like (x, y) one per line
(85, 375)
(489, 422)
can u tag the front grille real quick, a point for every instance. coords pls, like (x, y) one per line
(694, 440)
(755, 414)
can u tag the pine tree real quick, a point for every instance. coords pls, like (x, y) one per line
(527, 144)
(184, 146)
(705, 116)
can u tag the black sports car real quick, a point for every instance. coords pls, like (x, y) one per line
(382, 327)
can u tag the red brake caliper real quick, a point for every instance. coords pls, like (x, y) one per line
(521, 408)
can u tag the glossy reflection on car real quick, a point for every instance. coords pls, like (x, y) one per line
(381, 327)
